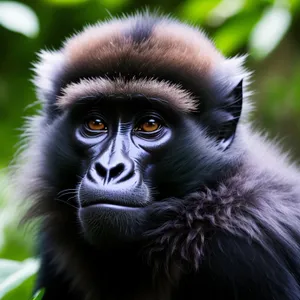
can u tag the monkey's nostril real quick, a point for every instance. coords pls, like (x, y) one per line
(116, 171)
(119, 172)
(101, 171)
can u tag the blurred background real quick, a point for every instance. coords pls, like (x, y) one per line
(268, 30)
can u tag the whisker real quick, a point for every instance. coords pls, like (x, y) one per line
(66, 202)
(66, 191)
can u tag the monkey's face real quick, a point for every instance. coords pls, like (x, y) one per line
(121, 154)
(134, 115)
(121, 143)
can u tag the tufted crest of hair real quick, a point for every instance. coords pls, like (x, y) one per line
(138, 47)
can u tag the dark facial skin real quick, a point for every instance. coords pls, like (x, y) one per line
(119, 141)
(121, 154)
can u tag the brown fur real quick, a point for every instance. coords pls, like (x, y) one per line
(102, 46)
(176, 96)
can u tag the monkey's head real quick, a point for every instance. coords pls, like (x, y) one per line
(135, 111)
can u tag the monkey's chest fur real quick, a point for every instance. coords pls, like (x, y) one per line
(176, 249)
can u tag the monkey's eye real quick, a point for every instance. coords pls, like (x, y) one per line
(96, 124)
(149, 125)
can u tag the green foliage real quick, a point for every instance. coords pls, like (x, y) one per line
(16, 278)
(18, 17)
(269, 30)
(66, 2)
(198, 11)
(39, 295)
(266, 29)
(226, 38)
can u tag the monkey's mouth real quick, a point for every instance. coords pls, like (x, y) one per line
(114, 204)
(111, 221)
(112, 198)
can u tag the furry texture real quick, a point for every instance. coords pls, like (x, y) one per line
(238, 237)
(109, 50)
(172, 94)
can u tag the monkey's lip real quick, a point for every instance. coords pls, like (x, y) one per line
(110, 204)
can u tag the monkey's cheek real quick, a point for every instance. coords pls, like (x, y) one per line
(111, 223)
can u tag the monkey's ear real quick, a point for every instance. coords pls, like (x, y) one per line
(232, 108)
(223, 116)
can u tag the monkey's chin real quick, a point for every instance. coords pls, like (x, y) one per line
(110, 224)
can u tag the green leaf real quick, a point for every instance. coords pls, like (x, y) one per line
(294, 5)
(195, 10)
(7, 267)
(234, 34)
(113, 4)
(269, 31)
(66, 2)
(13, 273)
(39, 294)
(19, 17)
(225, 10)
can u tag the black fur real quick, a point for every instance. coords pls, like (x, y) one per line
(221, 222)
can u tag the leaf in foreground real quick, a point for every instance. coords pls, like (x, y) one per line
(39, 295)
(15, 273)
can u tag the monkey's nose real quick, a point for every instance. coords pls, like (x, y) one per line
(111, 173)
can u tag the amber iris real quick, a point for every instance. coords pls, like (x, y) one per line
(96, 124)
(149, 126)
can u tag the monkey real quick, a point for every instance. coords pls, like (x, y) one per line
(147, 176)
